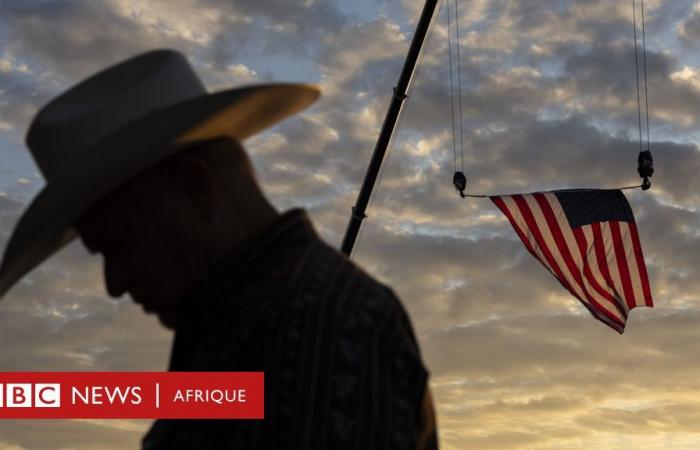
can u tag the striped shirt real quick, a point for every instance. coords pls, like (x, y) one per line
(342, 365)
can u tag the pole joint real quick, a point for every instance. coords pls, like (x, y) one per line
(357, 216)
(399, 95)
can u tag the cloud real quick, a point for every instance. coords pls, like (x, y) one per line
(689, 30)
(97, 435)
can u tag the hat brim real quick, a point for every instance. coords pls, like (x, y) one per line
(47, 223)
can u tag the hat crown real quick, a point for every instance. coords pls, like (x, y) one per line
(77, 120)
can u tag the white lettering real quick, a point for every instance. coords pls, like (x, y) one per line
(96, 398)
(95, 395)
(217, 396)
(117, 392)
(82, 397)
(135, 392)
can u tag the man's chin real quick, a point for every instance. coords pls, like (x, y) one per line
(169, 321)
(167, 318)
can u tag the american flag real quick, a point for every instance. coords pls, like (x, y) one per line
(588, 240)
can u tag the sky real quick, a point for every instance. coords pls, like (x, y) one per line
(548, 102)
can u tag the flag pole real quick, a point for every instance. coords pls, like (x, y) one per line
(388, 127)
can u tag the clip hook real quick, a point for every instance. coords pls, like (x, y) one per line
(645, 168)
(460, 182)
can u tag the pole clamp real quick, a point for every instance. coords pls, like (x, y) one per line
(358, 216)
(399, 96)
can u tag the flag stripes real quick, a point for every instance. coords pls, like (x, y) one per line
(600, 263)
(580, 247)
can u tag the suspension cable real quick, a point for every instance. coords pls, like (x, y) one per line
(645, 168)
(459, 90)
(452, 90)
(636, 72)
(646, 91)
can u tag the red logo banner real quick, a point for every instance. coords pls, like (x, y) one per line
(132, 395)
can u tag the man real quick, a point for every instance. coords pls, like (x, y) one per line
(148, 169)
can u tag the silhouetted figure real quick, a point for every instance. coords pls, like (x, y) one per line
(168, 196)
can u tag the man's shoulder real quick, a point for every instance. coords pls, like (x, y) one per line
(325, 274)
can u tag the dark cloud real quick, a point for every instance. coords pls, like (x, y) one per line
(530, 14)
(74, 38)
(690, 28)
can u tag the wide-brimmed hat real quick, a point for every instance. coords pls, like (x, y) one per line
(108, 128)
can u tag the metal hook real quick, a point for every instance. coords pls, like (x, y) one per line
(460, 182)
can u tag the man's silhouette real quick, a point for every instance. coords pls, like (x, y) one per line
(185, 230)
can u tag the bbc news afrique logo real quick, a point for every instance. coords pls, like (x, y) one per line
(132, 395)
(30, 395)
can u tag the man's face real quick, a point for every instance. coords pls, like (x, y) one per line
(141, 231)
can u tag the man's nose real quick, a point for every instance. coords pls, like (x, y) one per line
(116, 276)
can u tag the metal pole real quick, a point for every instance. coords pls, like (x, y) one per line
(392, 115)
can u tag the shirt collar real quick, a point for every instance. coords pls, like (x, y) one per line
(293, 225)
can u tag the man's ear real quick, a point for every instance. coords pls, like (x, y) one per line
(192, 176)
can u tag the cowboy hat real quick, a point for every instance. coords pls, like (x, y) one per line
(108, 128)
